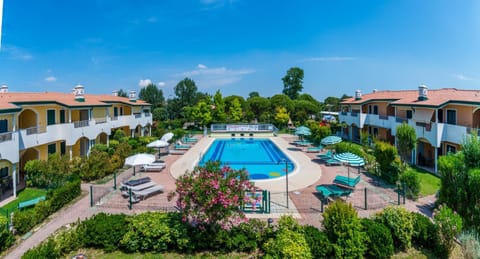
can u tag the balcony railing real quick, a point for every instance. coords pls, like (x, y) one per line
(100, 120)
(5, 136)
(427, 126)
(81, 124)
(114, 118)
(137, 115)
(383, 117)
(344, 113)
(147, 114)
(400, 120)
(354, 114)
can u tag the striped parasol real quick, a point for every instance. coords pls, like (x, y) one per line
(349, 158)
(331, 140)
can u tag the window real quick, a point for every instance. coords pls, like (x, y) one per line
(409, 114)
(451, 149)
(375, 132)
(50, 117)
(375, 109)
(115, 111)
(62, 116)
(52, 148)
(440, 115)
(3, 126)
(452, 117)
(3, 172)
(63, 148)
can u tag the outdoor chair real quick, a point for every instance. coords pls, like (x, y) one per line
(326, 156)
(333, 161)
(155, 166)
(332, 191)
(176, 152)
(125, 189)
(137, 181)
(145, 193)
(314, 149)
(347, 182)
(189, 140)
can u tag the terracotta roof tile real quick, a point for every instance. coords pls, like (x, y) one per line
(436, 97)
(10, 99)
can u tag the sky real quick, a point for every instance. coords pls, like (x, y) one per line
(239, 46)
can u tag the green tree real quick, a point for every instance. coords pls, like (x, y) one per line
(202, 113)
(282, 100)
(253, 94)
(471, 151)
(122, 93)
(235, 110)
(289, 241)
(151, 94)
(449, 226)
(344, 229)
(281, 116)
(258, 106)
(159, 114)
(304, 109)
(400, 223)
(186, 92)
(293, 82)
(406, 140)
(387, 159)
(219, 114)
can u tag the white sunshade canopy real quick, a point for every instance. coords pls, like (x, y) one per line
(140, 159)
(158, 144)
(423, 115)
(167, 136)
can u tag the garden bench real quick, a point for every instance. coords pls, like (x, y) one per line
(31, 202)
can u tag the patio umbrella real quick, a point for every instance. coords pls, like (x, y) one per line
(167, 136)
(349, 159)
(139, 159)
(302, 131)
(331, 140)
(158, 144)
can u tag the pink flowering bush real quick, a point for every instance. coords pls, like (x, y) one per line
(212, 195)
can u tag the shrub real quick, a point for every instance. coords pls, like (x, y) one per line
(44, 250)
(289, 241)
(318, 242)
(344, 230)
(424, 232)
(63, 195)
(246, 237)
(379, 239)
(388, 161)
(95, 166)
(343, 147)
(449, 225)
(105, 231)
(155, 232)
(412, 182)
(470, 244)
(119, 135)
(6, 237)
(68, 240)
(23, 221)
(400, 223)
(123, 150)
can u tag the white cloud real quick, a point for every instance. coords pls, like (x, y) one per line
(14, 52)
(152, 19)
(215, 77)
(144, 82)
(462, 77)
(328, 59)
(161, 84)
(51, 79)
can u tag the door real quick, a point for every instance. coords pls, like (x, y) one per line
(452, 117)
(3, 126)
(62, 116)
(84, 115)
(50, 117)
(115, 112)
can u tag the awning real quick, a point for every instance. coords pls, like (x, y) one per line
(422, 115)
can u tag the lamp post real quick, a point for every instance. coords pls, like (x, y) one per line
(286, 177)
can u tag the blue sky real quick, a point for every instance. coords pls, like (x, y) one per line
(239, 46)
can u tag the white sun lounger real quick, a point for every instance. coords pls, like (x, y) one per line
(155, 166)
(125, 188)
(143, 194)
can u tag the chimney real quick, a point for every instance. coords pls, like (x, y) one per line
(115, 93)
(4, 89)
(132, 96)
(375, 90)
(358, 95)
(79, 91)
(422, 92)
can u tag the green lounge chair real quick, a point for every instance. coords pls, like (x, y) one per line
(183, 147)
(332, 191)
(326, 156)
(346, 181)
(189, 140)
(333, 161)
(314, 149)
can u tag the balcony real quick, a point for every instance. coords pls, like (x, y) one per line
(353, 118)
(427, 131)
(9, 146)
(379, 120)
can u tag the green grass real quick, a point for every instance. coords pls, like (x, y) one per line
(99, 254)
(24, 195)
(429, 183)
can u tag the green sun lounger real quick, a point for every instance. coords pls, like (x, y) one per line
(326, 156)
(332, 161)
(332, 191)
(346, 181)
(314, 149)
(183, 147)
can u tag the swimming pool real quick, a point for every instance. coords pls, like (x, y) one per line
(260, 157)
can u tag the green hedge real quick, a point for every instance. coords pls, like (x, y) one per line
(25, 220)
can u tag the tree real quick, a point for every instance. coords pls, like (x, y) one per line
(151, 94)
(281, 116)
(281, 100)
(292, 82)
(344, 229)
(400, 223)
(258, 106)
(186, 92)
(235, 110)
(449, 226)
(406, 140)
(253, 94)
(122, 93)
(212, 196)
(304, 109)
(202, 113)
(219, 114)
(386, 156)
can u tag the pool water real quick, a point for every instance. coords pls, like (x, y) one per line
(260, 157)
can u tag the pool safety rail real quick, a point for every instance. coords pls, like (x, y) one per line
(260, 204)
(245, 128)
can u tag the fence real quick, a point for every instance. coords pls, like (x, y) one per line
(99, 191)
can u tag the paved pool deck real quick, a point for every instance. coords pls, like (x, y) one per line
(305, 173)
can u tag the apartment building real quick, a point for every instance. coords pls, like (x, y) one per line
(34, 125)
(441, 118)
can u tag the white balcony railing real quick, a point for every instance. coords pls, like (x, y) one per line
(5, 136)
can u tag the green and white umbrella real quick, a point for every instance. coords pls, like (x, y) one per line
(349, 158)
(303, 131)
(331, 140)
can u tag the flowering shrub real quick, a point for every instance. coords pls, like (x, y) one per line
(211, 195)
(449, 224)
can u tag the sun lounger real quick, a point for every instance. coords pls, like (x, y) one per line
(183, 147)
(346, 181)
(176, 152)
(314, 149)
(332, 161)
(126, 189)
(332, 191)
(137, 181)
(143, 194)
(183, 144)
(189, 140)
(155, 166)
(326, 156)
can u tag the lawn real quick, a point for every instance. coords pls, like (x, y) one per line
(429, 183)
(97, 253)
(24, 195)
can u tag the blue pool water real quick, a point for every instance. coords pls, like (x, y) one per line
(260, 157)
